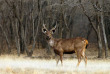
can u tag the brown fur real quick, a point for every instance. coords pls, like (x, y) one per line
(72, 45)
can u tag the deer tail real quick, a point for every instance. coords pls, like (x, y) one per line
(86, 41)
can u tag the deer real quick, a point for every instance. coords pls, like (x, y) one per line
(62, 46)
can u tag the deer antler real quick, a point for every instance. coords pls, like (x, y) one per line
(44, 26)
(54, 26)
(53, 29)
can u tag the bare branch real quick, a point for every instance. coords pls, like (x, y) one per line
(8, 3)
(99, 9)
(89, 18)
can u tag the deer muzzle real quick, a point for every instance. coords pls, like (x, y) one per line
(48, 38)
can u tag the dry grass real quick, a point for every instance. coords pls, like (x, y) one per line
(10, 64)
(39, 64)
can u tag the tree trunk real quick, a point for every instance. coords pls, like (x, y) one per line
(99, 43)
(103, 29)
(104, 35)
(7, 40)
(17, 39)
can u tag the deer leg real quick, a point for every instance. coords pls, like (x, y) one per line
(57, 59)
(61, 57)
(79, 58)
(84, 57)
(85, 61)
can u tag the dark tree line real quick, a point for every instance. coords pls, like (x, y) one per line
(21, 22)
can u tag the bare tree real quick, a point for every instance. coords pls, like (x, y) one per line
(97, 29)
(103, 29)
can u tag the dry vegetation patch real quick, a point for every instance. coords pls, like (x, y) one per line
(12, 64)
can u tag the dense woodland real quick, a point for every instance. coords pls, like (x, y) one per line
(21, 23)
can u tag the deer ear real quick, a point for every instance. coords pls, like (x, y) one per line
(44, 30)
(53, 30)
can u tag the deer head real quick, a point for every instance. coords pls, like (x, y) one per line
(47, 32)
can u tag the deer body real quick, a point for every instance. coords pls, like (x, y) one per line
(72, 45)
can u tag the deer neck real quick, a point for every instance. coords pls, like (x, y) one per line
(51, 42)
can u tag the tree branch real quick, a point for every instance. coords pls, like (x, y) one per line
(93, 25)
(99, 9)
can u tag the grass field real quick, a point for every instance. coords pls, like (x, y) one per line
(24, 65)
(42, 63)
